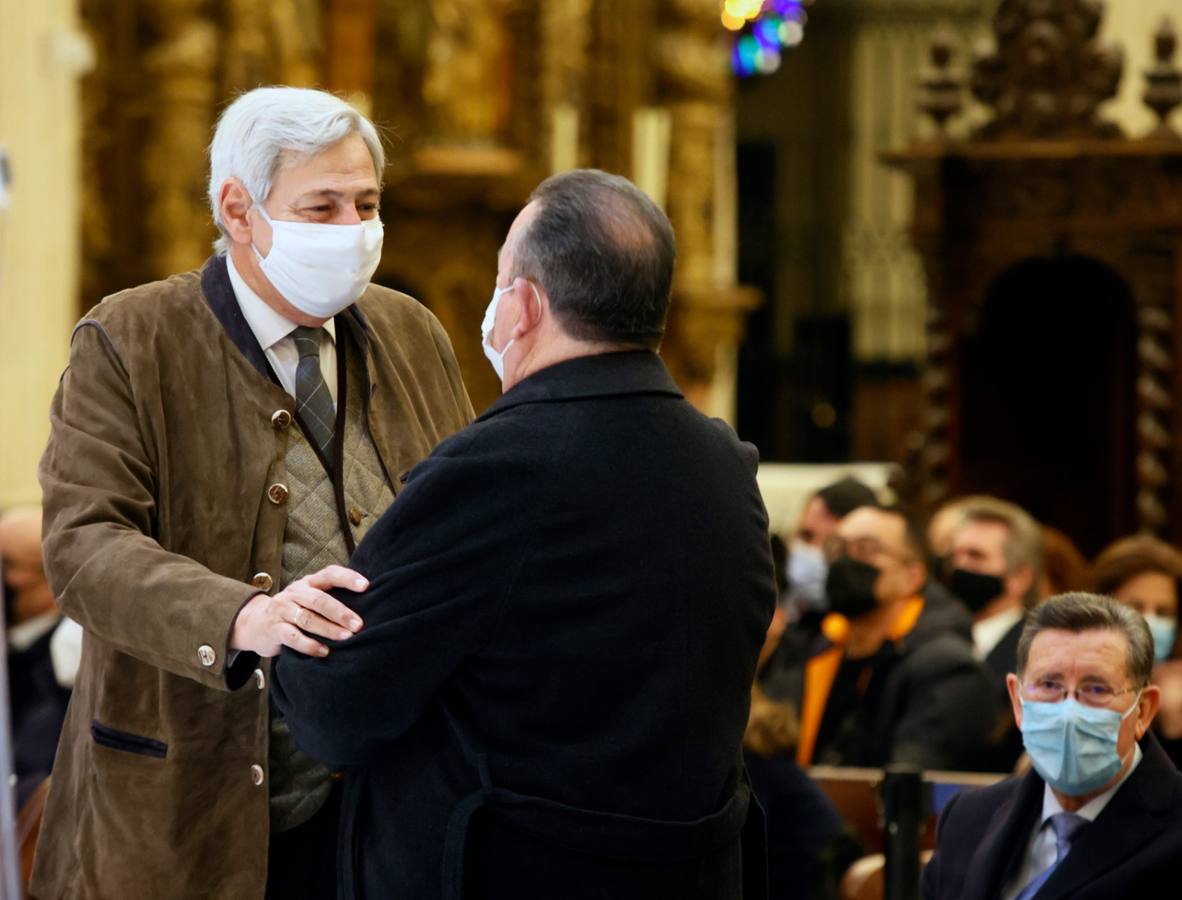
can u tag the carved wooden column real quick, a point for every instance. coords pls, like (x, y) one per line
(709, 306)
(182, 67)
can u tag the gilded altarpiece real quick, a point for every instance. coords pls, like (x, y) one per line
(480, 100)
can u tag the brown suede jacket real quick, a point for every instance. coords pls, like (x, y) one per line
(162, 515)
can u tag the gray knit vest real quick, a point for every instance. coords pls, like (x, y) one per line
(311, 541)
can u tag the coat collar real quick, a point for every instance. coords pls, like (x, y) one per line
(1138, 812)
(999, 854)
(219, 294)
(601, 375)
(1140, 807)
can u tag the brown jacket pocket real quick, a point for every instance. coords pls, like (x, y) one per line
(106, 736)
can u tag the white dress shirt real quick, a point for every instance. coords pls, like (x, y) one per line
(988, 633)
(273, 332)
(1042, 846)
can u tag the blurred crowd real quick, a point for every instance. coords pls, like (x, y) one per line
(891, 645)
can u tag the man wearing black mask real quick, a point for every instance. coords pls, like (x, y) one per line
(892, 678)
(996, 555)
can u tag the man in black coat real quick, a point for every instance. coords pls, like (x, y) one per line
(891, 678)
(997, 559)
(1100, 815)
(565, 608)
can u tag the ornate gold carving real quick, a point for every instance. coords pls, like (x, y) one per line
(465, 84)
(182, 67)
(1049, 73)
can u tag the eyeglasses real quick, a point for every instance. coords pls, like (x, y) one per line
(863, 549)
(1093, 693)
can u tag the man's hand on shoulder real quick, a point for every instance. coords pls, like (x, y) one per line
(265, 623)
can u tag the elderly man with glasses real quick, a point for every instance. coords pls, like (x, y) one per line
(1100, 814)
(891, 678)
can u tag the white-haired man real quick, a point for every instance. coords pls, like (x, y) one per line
(220, 442)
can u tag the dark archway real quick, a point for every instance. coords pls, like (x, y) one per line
(1049, 403)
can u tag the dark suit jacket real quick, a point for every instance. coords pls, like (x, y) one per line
(566, 605)
(1133, 849)
(1006, 743)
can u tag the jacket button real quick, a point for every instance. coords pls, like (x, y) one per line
(262, 581)
(277, 493)
(256, 775)
(206, 655)
(260, 679)
(355, 515)
(280, 419)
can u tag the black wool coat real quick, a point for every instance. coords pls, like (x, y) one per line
(1132, 849)
(547, 699)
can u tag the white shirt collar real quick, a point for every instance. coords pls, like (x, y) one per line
(23, 636)
(988, 633)
(1093, 808)
(268, 325)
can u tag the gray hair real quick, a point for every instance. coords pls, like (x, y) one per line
(1023, 546)
(1078, 612)
(267, 128)
(604, 252)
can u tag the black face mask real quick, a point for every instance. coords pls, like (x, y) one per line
(975, 589)
(850, 587)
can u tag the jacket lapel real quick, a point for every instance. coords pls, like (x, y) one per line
(1000, 852)
(219, 294)
(1139, 806)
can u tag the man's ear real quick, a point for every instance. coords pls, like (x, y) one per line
(1147, 708)
(234, 203)
(917, 575)
(532, 307)
(1015, 689)
(1020, 580)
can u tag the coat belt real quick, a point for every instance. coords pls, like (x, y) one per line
(611, 835)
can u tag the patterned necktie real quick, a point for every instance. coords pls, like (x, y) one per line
(313, 400)
(1066, 826)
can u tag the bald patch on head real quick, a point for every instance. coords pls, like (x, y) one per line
(20, 528)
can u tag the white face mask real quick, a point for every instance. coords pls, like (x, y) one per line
(321, 269)
(496, 357)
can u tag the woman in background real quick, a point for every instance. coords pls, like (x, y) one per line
(1144, 573)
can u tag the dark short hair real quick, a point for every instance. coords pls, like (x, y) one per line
(913, 538)
(1129, 557)
(842, 497)
(1078, 612)
(604, 252)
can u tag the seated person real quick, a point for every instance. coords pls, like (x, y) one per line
(803, 587)
(806, 562)
(30, 616)
(1100, 815)
(996, 555)
(1144, 572)
(891, 678)
(809, 846)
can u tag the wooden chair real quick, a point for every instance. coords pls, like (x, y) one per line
(855, 794)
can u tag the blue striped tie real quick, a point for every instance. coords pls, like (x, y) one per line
(1066, 826)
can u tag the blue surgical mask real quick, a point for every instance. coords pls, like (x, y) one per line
(494, 356)
(1163, 629)
(807, 570)
(1073, 746)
